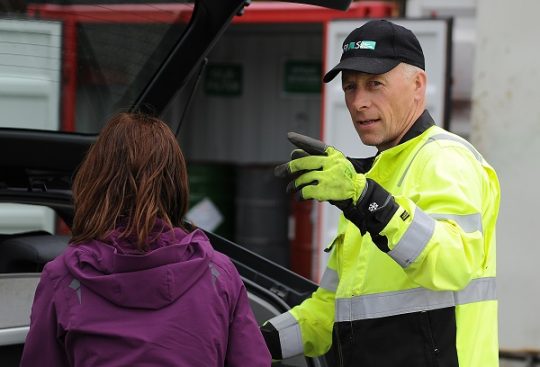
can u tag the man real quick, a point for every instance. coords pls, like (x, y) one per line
(411, 276)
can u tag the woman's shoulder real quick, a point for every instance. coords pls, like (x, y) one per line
(223, 262)
(56, 269)
(217, 258)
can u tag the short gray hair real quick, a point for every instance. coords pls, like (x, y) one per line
(409, 70)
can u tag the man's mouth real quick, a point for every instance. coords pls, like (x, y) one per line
(367, 122)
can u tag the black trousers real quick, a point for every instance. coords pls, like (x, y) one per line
(419, 339)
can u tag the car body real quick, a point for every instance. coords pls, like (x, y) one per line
(39, 158)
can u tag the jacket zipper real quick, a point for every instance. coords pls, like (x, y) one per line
(434, 348)
(340, 352)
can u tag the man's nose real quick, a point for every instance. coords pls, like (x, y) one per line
(361, 100)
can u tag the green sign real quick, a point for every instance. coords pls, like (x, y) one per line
(223, 80)
(303, 77)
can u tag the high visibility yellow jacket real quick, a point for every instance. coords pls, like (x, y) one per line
(430, 300)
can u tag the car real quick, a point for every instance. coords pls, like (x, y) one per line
(65, 68)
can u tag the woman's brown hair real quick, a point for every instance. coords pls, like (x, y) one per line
(135, 172)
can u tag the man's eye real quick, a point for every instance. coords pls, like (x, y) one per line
(348, 87)
(374, 83)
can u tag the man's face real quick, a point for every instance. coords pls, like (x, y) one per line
(382, 107)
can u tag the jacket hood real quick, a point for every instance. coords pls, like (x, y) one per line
(126, 277)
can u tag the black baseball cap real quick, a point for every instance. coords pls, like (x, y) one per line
(376, 48)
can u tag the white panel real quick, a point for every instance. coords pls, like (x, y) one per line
(506, 130)
(16, 218)
(464, 42)
(463, 13)
(17, 292)
(338, 129)
(426, 8)
(463, 37)
(30, 73)
(30, 69)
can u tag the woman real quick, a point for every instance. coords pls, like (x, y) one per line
(136, 286)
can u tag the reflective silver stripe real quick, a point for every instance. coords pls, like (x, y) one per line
(458, 140)
(468, 222)
(411, 300)
(442, 137)
(410, 163)
(290, 336)
(414, 240)
(482, 289)
(329, 280)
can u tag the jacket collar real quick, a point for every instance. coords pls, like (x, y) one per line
(424, 122)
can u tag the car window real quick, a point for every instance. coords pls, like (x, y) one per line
(68, 67)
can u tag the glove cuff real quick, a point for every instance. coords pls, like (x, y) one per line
(271, 337)
(372, 212)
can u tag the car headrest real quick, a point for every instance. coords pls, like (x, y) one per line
(29, 253)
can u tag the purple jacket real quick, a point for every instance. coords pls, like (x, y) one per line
(181, 304)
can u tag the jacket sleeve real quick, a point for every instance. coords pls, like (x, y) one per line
(307, 328)
(43, 347)
(442, 235)
(246, 346)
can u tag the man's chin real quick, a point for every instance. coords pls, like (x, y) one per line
(369, 140)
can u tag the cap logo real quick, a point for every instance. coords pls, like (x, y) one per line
(365, 45)
(370, 45)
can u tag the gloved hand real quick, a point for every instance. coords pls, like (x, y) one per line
(321, 172)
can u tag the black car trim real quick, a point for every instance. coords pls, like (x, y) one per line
(188, 52)
(289, 286)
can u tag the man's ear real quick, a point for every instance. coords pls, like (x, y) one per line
(420, 84)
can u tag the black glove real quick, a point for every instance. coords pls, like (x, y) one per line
(271, 337)
(372, 212)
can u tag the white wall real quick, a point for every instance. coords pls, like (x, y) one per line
(30, 54)
(505, 127)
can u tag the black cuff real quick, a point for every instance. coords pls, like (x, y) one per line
(361, 165)
(372, 212)
(271, 337)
